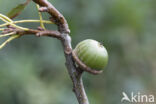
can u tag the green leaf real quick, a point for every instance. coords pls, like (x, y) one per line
(17, 10)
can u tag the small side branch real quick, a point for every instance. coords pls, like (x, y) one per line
(49, 33)
(57, 17)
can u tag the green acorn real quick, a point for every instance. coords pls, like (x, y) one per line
(92, 53)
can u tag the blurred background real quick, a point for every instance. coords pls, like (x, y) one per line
(32, 69)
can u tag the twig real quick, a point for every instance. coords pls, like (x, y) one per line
(1, 29)
(8, 40)
(9, 34)
(5, 18)
(49, 33)
(26, 21)
(62, 34)
(57, 17)
(63, 28)
(40, 15)
(11, 23)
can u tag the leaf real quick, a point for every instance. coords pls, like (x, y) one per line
(17, 10)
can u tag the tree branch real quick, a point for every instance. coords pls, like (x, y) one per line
(62, 34)
(74, 72)
(57, 17)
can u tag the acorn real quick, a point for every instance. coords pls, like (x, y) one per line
(92, 53)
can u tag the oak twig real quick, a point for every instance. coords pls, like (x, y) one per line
(62, 34)
(63, 28)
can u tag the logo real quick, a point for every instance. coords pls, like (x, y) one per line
(137, 98)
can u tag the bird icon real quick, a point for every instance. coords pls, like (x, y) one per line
(125, 97)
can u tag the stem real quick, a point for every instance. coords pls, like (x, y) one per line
(40, 15)
(74, 72)
(6, 18)
(11, 23)
(26, 21)
(62, 34)
(4, 35)
(63, 28)
(8, 40)
(1, 29)
(76, 77)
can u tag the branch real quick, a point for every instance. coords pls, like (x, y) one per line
(74, 72)
(25, 21)
(49, 33)
(62, 34)
(57, 17)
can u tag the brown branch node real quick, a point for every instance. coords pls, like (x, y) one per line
(43, 9)
(58, 17)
